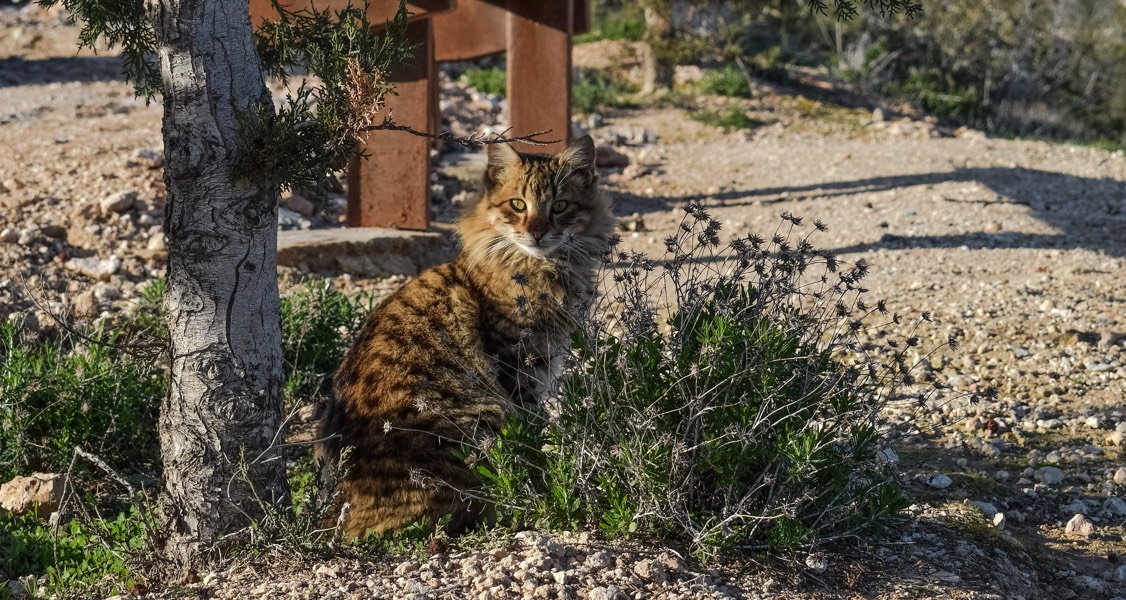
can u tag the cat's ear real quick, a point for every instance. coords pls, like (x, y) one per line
(502, 156)
(579, 157)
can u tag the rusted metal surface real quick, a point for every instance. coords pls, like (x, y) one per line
(477, 28)
(539, 70)
(391, 187)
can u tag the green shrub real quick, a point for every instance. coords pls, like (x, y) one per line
(489, 81)
(733, 117)
(617, 25)
(743, 417)
(595, 90)
(729, 81)
(92, 392)
(317, 324)
(75, 558)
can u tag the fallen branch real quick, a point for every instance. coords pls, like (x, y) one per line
(473, 141)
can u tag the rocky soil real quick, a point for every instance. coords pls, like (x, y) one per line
(1018, 247)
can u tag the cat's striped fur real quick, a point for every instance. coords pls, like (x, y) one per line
(445, 358)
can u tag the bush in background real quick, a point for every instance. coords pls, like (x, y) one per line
(718, 396)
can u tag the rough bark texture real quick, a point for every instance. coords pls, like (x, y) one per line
(224, 410)
(656, 69)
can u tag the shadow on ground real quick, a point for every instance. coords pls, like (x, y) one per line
(16, 71)
(1089, 213)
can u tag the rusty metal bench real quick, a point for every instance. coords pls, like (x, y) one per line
(391, 188)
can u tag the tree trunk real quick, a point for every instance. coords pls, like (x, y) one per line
(657, 69)
(222, 419)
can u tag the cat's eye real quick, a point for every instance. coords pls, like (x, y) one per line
(518, 205)
(559, 206)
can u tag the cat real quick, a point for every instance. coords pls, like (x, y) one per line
(444, 359)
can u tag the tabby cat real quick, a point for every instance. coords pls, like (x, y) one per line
(444, 359)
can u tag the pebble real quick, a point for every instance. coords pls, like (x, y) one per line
(117, 203)
(1079, 525)
(1075, 507)
(940, 482)
(1115, 506)
(1049, 475)
(10, 235)
(1115, 439)
(999, 520)
(94, 267)
(1120, 476)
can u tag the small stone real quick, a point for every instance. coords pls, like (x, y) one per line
(1049, 475)
(650, 570)
(1094, 422)
(1115, 439)
(633, 223)
(940, 482)
(999, 520)
(57, 232)
(1120, 574)
(878, 115)
(41, 492)
(1075, 507)
(993, 227)
(1115, 506)
(1120, 476)
(610, 592)
(1047, 305)
(156, 243)
(300, 205)
(9, 235)
(94, 267)
(816, 563)
(986, 508)
(605, 156)
(887, 456)
(595, 120)
(1079, 525)
(117, 203)
(147, 158)
(599, 560)
(85, 306)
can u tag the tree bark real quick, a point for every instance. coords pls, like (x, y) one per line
(657, 70)
(221, 422)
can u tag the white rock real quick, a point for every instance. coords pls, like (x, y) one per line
(10, 235)
(940, 482)
(1115, 439)
(1049, 475)
(1120, 476)
(1079, 525)
(117, 203)
(1094, 422)
(887, 455)
(1120, 574)
(156, 242)
(986, 508)
(999, 520)
(94, 267)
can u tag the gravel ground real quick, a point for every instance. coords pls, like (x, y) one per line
(1017, 246)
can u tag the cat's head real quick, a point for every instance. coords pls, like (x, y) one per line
(541, 206)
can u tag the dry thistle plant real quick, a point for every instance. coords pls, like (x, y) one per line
(719, 395)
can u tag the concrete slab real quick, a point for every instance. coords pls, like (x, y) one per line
(365, 251)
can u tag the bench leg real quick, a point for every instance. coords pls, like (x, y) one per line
(539, 70)
(391, 187)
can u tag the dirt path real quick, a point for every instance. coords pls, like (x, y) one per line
(1018, 246)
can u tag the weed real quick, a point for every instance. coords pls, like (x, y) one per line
(317, 324)
(729, 81)
(732, 117)
(488, 81)
(719, 396)
(87, 392)
(92, 558)
(621, 25)
(597, 90)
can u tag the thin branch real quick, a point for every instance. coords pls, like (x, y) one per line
(473, 141)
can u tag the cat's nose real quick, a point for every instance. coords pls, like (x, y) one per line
(538, 235)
